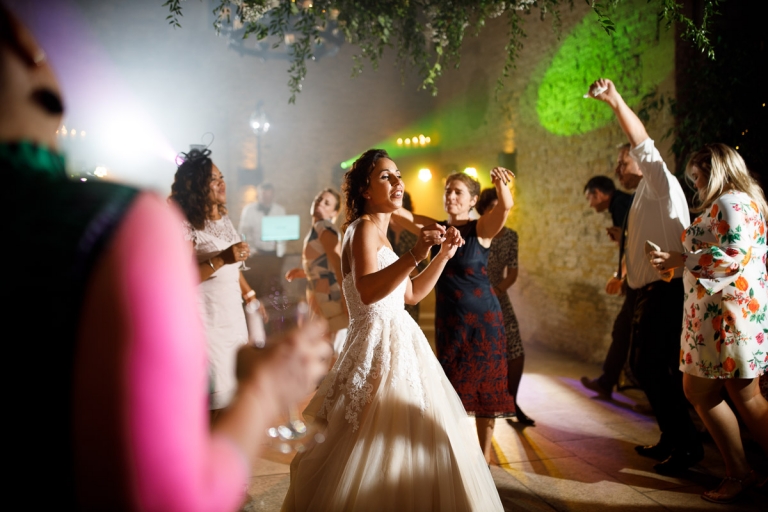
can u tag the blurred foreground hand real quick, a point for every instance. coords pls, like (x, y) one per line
(290, 366)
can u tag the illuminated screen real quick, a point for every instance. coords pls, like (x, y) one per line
(280, 227)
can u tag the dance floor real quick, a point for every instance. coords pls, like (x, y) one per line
(579, 457)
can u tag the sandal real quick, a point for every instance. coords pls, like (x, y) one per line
(737, 486)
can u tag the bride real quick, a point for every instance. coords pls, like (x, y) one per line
(397, 435)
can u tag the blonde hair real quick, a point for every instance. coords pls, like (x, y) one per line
(725, 170)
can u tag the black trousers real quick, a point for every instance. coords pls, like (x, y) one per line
(621, 337)
(656, 328)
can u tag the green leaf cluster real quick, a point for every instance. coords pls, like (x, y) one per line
(174, 7)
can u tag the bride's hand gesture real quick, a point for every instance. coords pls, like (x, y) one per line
(433, 234)
(452, 241)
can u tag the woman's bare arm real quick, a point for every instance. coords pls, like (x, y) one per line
(489, 225)
(332, 246)
(364, 243)
(422, 284)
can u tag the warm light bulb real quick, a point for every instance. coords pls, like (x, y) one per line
(471, 171)
(425, 174)
(415, 140)
(399, 141)
(100, 171)
(82, 133)
(63, 130)
(428, 140)
(407, 142)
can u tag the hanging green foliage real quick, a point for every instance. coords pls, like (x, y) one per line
(426, 34)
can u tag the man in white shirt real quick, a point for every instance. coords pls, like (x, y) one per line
(265, 261)
(659, 213)
(252, 216)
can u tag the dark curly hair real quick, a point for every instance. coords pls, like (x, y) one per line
(191, 185)
(357, 180)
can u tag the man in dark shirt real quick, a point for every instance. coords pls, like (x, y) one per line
(602, 195)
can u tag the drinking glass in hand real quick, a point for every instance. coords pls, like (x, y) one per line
(242, 263)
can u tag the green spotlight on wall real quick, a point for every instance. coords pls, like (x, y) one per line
(637, 57)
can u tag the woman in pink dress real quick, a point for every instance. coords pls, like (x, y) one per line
(118, 366)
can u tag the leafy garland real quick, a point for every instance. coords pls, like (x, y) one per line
(427, 34)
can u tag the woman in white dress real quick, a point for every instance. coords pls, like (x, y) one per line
(397, 435)
(199, 190)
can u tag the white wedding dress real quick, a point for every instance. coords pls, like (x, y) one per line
(397, 435)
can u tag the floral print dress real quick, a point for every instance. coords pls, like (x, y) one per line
(504, 254)
(724, 326)
(469, 330)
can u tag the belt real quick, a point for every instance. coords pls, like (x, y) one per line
(650, 286)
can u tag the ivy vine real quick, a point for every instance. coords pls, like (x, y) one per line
(427, 34)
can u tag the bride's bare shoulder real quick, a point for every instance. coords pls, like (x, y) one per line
(357, 230)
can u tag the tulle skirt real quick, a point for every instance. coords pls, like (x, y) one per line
(397, 436)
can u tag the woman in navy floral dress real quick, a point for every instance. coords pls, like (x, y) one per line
(469, 325)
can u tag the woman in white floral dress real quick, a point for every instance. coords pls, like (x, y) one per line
(200, 192)
(726, 300)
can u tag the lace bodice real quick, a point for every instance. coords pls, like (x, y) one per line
(382, 340)
(386, 307)
(221, 229)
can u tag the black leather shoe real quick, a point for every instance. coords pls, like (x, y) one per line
(522, 417)
(679, 461)
(658, 451)
(595, 386)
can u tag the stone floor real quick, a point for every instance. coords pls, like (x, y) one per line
(579, 457)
